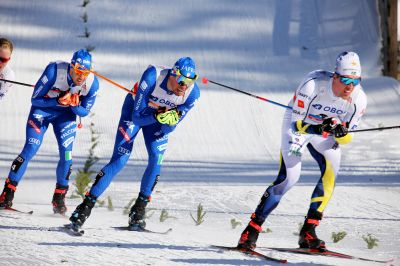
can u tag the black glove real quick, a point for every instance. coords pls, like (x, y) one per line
(340, 131)
(328, 125)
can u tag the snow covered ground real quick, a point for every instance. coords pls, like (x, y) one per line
(226, 152)
(357, 210)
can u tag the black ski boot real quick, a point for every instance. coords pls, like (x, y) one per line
(82, 212)
(308, 238)
(59, 199)
(249, 236)
(7, 195)
(137, 214)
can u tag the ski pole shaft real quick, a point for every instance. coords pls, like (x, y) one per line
(18, 83)
(206, 80)
(112, 82)
(119, 86)
(374, 129)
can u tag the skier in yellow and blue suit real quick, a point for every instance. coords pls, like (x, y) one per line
(324, 103)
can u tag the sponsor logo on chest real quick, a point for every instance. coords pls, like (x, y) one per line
(327, 109)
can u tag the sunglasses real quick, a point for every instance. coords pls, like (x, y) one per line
(79, 71)
(348, 81)
(4, 60)
(183, 80)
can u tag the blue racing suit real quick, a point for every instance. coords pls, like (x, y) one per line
(46, 110)
(151, 94)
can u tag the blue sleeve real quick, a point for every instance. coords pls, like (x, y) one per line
(184, 108)
(44, 84)
(142, 114)
(87, 101)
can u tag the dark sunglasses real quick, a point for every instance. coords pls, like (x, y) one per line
(4, 60)
(348, 81)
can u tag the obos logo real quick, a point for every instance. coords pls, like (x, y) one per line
(317, 106)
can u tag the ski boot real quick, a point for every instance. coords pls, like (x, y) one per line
(308, 238)
(7, 195)
(59, 199)
(137, 214)
(82, 212)
(249, 236)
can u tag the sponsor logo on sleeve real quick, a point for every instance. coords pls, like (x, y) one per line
(129, 124)
(33, 141)
(68, 132)
(68, 155)
(122, 150)
(162, 146)
(44, 79)
(68, 141)
(34, 126)
(124, 133)
(300, 103)
(39, 118)
(143, 85)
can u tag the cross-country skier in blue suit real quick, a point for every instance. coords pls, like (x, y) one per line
(163, 99)
(64, 91)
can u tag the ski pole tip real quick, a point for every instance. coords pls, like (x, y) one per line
(204, 80)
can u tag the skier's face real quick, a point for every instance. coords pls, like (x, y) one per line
(5, 56)
(78, 76)
(173, 85)
(343, 86)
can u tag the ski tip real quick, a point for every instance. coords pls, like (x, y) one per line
(15, 210)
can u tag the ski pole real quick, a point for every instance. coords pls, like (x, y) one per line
(120, 86)
(19, 83)
(112, 82)
(206, 80)
(374, 129)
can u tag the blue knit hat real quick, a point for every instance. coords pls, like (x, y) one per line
(83, 58)
(186, 67)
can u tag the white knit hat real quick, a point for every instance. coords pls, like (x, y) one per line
(348, 63)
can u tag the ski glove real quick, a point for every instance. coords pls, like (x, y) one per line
(328, 125)
(298, 142)
(170, 117)
(64, 98)
(74, 99)
(340, 131)
(341, 135)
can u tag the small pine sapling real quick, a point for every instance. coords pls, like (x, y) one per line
(128, 207)
(300, 225)
(83, 180)
(266, 231)
(336, 237)
(110, 206)
(371, 241)
(200, 215)
(149, 212)
(235, 223)
(164, 215)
